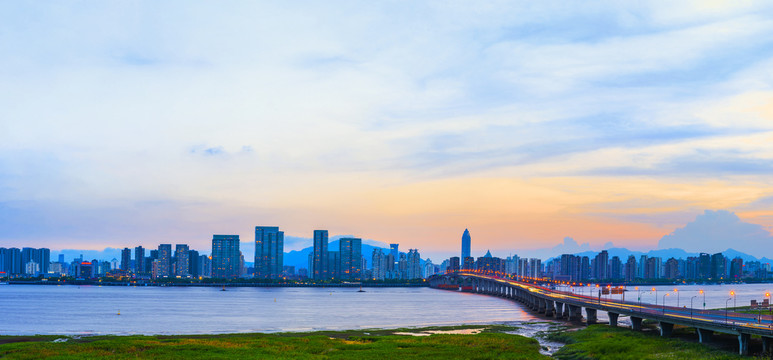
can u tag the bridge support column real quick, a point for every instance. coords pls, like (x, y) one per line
(613, 318)
(743, 344)
(565, 315)
(590, 316)
(704, 335)
(575, 313)
(542, 306)
(636, 323)
(559, 310)
(549, 308)
(666, 329)
(766, 345)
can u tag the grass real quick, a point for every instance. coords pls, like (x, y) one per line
(362, 344)
(605, 342)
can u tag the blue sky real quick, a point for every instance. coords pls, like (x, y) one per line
(144, 122)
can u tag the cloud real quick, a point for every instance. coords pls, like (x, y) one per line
(262, 109)
(719, 230)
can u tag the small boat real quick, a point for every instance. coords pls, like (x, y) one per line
(360, 289)
(223, 289)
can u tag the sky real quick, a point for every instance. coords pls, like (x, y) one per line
(146, 122)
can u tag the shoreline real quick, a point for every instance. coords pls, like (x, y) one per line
(459, 341)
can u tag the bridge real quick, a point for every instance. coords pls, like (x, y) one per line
(567, 305)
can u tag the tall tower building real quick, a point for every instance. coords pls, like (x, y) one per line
(139, 260)
(319, 257)
(350, 252)
(466, 244)
(269, 252)
(414, 264)
(164, 260)
(225, 256)
(182, 260)
(394, 250)
(126, 259)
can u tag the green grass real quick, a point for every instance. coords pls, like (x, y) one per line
(365, 344)
(605, 342)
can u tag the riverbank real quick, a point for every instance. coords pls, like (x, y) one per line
(457, 342)
(448, 342)
(605, 342)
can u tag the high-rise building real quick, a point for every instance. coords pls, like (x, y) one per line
(615, 268)
(334, 264)
(414, 264)
(704, 263)
(225, 256)
(469, 263)
(602, 261)
(205, 266)
(126, 259)
(350, 251)
(319, 255)
(193, 264)
(182, 260)
(736, 268)
(269, 252)
(672, 269)
(453, 264)
(378, 259)
(139, 260)
(429, 269)
(402, 267)
(630, 269)
(164, 261)
(395, 252)
(466, 244)
(535, 267)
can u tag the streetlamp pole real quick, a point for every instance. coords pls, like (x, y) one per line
(704, 298)
(726, 301)
(677, 297)
(664, 302)
(656, 296)
(732, 293)
(691, 306)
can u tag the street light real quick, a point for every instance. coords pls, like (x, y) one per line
(732, 293)
(677, 297)
(691, 306)
(664, 302)
(726, 301)
(656, 296)
(704, 298)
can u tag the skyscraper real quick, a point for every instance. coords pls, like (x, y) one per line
(164, 260)
(319, 257)
(269, 252)
(126, 259)
(350, 252)
(182, 266)
(394, 249)
(225, 256)
(139, 260)
(414, 264)
(466, 244)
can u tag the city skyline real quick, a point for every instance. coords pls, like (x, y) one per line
(527, 124)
